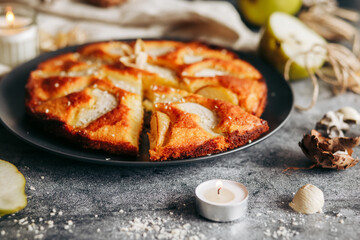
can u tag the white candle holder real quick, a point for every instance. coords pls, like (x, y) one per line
(212, 205)
(18, 34)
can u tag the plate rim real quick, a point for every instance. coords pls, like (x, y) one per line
(135, 163)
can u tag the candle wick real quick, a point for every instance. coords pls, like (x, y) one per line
(218, 191)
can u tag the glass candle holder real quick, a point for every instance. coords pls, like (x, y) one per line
(18, 34)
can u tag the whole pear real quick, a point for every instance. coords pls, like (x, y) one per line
(257, 12)
(285, 37)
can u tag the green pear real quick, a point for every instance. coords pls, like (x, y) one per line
(257, 12)
(285, 37)
(12, 189)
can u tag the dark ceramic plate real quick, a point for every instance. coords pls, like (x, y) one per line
(13, 117)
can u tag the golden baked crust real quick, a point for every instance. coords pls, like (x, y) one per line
(250, 94)
(235, 77)
(68, 107)
(198, 126)
(106, 52)
(194, 52)
(160, 48)
(237, 68)
(95, 97)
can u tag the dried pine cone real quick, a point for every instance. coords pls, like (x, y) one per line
(105, 3)
(329, 152)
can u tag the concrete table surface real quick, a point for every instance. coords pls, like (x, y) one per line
(74, 200)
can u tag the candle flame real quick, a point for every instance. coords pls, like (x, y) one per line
(218, 186)
(10, 17)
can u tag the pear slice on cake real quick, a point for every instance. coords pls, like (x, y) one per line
(217, 92)
(12, 189)
(286, 37)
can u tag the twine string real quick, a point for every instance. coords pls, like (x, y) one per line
(341, 71)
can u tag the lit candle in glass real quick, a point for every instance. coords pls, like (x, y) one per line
(18, 34)
(221, 200)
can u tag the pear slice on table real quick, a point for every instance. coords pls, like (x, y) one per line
(12, 189)
(286, 37)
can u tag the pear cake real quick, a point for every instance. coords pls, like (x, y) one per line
(202, 100)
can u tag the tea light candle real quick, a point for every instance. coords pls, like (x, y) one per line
(221, 200)
(18, 34)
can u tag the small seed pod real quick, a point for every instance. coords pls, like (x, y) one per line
(332, 124)
(309, 199)
(351, 116)
(326, 152)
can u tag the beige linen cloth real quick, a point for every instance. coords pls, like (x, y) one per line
(215, 22)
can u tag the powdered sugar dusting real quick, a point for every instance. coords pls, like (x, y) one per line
(160, 228)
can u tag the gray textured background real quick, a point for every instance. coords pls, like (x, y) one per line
(101, 200)
(82, 190)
